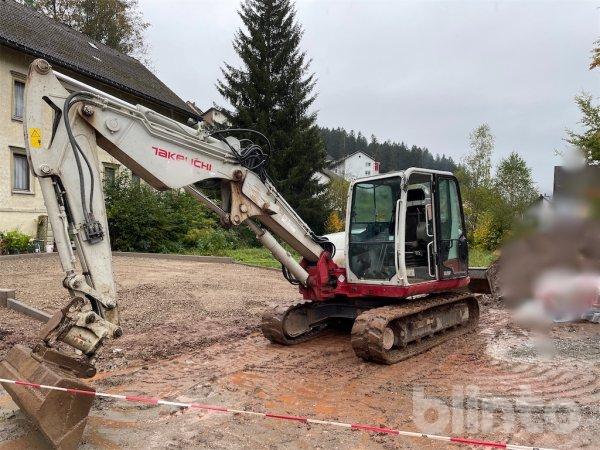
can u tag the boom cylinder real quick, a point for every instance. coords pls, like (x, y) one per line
(280, 253)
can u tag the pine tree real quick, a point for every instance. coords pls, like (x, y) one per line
(272, 92)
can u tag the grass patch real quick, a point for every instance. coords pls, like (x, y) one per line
(480, 258)
(256, 256)
(260, 256)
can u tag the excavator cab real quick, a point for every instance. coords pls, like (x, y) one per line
(406, 238)
(406, 228)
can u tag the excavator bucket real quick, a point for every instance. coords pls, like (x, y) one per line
(60, 416)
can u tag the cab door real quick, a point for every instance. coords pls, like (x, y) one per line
(452, 253)
(371, 230)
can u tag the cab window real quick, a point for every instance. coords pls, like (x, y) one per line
(372, 228)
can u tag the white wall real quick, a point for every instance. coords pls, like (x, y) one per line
(358, 165)
(321, 178)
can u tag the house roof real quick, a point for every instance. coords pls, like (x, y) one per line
(330, 174)
(194, 107)
(31, 32)
(351, 155)
(211, 109)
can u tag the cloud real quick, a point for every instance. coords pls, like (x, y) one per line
(425, 73)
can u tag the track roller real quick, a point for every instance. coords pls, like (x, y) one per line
(390, 334)
(289, 325)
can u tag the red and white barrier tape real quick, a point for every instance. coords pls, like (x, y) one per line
(352, 426)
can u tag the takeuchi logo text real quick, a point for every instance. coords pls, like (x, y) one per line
(174, 156)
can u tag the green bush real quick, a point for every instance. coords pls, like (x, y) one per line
(488, 234)
(14, 242)
(212, 241)
(143, 219)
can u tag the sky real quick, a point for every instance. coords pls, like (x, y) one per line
(425, 73)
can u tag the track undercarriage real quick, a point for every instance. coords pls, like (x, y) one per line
(382, 333)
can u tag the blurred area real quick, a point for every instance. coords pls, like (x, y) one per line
(549, 272)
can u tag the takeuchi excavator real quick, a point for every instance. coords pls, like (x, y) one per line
(399, 273)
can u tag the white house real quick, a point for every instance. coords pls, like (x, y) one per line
(356, 165)
(214, 116)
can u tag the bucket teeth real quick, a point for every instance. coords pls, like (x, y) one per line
(60, 416)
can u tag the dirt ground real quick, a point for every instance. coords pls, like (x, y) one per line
(192, 334)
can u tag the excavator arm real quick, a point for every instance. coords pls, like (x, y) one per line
(65, 121)
(164, 153)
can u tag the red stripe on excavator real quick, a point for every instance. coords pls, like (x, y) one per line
(320, 289)
(478, 442)
(360, 426)
(286, 417)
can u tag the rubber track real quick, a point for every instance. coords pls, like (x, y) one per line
(272, 325)
(367, 332)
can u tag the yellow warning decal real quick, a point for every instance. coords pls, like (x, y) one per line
(35, 137)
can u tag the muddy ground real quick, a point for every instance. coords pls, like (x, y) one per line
(192, 334)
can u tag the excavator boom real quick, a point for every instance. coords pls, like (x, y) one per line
(65, 121)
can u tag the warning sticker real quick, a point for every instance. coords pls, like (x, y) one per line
(35, 137)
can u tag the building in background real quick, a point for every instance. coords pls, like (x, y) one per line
(26, 35)
(214, 116)
(356, 165)
(325, 176)
(192, 105)
(579, 182)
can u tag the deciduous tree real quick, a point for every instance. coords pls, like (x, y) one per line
(587, 141)
(515, 184)
(475, 176)
(491, 203)
(116, 23)
(478, 163)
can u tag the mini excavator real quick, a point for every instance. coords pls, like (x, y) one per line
(399, 273)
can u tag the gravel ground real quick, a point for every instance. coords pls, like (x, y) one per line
(167, 307)
(192, 334)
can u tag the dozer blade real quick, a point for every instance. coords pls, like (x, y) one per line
(60, 416)
(480, 282)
